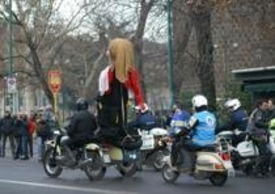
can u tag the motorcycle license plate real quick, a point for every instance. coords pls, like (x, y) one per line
(148, 142)
(230, 170)
(106, 158)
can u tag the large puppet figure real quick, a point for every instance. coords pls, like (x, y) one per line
(115, 83)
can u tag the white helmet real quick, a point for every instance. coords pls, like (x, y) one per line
(199, 101)
(232, 104)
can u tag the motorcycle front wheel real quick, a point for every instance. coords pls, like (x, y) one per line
(96, 169)
(50, 166)
(158, 162)
(218, 179)
(127, 169)
(168, 174)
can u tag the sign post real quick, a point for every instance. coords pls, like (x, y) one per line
(54, 81)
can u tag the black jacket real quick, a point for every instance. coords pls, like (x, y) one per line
(7, 125)
(258, 123)
(21, 128)
(238, 120)
(82, 126)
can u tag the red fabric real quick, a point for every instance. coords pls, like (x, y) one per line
(31, 127)
(133, 84)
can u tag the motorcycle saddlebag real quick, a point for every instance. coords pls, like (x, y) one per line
(131, 142)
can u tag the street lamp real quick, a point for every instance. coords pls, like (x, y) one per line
(170, 63)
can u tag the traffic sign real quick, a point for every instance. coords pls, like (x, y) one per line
(11, 85)
(54, 80)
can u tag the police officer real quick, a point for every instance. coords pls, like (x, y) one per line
(202, 126)
(178, 122)
(238, 120)
(144, 119)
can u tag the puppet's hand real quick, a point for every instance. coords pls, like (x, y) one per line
(143, 107)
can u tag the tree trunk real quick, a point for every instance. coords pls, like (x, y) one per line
(206, 73)
(138, 38)
(37, 66)
(182, 29)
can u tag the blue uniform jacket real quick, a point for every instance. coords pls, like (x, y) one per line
(204, 131)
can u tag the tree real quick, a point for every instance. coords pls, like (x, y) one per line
(41, 33)
(197, 15)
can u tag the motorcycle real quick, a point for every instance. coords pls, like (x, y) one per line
(125, 160)
(210, 163)
(153, 148)
(56, 158)
(245, 155)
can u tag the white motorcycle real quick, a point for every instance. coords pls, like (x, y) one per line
(245, 155)
(210, 163)
(153, 148)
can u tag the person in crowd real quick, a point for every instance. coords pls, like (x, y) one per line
(115, 81)
(237, 120)
(49, 117)
(22, 134)
(44, 133)
(258, 128)
(178, 122)
(81, 129)
(31, 130)
(7, 128)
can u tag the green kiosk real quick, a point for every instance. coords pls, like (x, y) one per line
(260, 81)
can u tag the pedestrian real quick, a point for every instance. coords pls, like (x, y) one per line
(7, 133)
(21, 131)
(31, 130)
(49, 117)
(258, 128)
(43, 133)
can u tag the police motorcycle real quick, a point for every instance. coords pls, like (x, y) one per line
(244, 155)
(56, 158)
(154, 147)
(211, 163)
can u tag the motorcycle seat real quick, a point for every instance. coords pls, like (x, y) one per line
(208, 148)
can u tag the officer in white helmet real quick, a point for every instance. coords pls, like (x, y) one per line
(202, 123)
(237, 120)
(202, 126)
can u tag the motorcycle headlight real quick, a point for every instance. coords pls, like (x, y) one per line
(160, 143)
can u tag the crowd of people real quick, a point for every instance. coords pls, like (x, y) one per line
(21, 130)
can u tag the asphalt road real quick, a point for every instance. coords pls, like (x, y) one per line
(27, 177)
